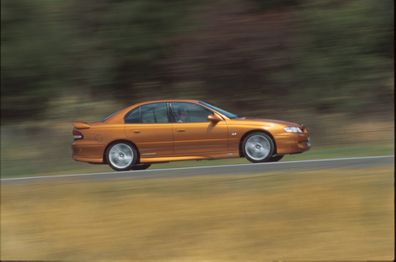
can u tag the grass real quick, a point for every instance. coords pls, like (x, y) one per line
(340, 214)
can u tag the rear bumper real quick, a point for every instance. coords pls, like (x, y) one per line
(87, 152)
(292, 143)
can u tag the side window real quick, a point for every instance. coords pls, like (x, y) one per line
(133, 116)
(189, 112)
(154, 113)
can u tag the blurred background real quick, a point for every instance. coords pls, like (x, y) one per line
(327, 64)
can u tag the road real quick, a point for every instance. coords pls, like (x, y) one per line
(351, 162)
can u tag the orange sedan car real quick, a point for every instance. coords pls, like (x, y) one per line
(170, 130)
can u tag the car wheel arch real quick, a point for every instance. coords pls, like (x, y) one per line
(120, 141)
(253, 131)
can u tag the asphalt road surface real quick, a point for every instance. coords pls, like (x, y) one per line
(351, 162)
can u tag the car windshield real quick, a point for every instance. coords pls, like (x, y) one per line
(221, 111)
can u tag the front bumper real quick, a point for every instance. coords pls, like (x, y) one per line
(292, 143)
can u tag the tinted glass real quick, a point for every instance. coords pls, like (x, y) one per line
(154, 113)
(133, 116)
(189, 112)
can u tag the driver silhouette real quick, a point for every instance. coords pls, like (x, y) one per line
(181, 115)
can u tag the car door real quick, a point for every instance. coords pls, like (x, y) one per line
(148, 126)
(194, 134)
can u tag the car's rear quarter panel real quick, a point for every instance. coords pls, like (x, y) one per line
(91, 148)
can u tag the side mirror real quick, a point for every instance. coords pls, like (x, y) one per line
(214, 118)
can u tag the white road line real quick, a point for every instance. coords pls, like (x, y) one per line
(196, 167)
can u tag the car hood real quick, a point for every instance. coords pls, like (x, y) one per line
(264, 120)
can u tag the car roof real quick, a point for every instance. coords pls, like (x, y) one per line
(169, 100)
(163, 101)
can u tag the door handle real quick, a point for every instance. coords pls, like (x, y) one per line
(136, 131)
(181, 130)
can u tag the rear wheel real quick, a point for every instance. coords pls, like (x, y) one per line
(121, 156)
(140, 167)
(275, 158)
(258, 147)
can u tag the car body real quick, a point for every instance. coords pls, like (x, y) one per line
(170, 130)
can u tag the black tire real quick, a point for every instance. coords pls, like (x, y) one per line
(276, 158)
(140, 167)
(267, 143)
(126, 149)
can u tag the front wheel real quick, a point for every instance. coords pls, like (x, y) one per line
(121, 156)
(258, 147)
(275, 158)
(141, 167)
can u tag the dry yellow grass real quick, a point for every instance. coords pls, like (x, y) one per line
(341, 214)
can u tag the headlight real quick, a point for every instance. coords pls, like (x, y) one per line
(292, 129)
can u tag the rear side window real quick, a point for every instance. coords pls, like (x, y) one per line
(133, 116)
(154, 113)
(150, 113)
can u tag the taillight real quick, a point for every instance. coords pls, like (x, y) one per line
(77, 135)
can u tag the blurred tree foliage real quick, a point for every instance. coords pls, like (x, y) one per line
(327, 55)
(346, 56)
